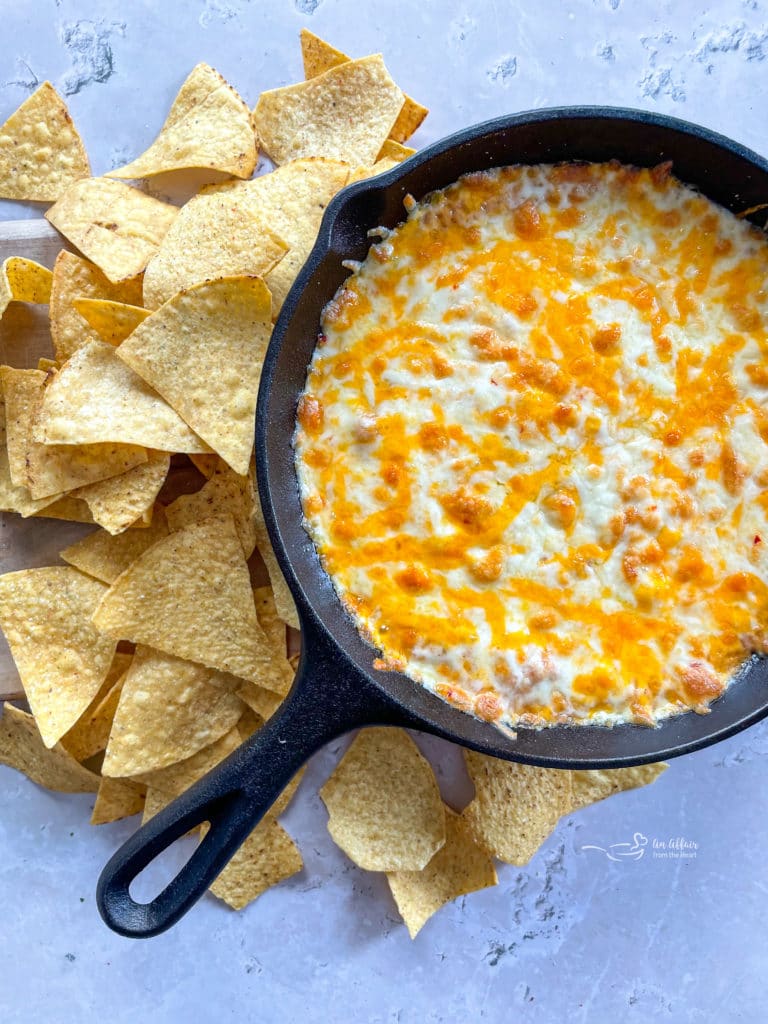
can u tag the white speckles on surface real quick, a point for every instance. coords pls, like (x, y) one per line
(572, 936)
(89, 44)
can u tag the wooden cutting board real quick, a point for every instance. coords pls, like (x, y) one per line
(24, 338)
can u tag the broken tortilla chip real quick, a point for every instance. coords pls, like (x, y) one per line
(115, 226)
(590, 786)
(23, 280)
(120, 501)
(112, 321)
(96, 398)
(208, 126)
(292, 200)
(21, 747)
(75, 278)
(61, 657)
(104, 556)
(116, 799)
(384, 804)
(516, 806)
(53, 469)
(267, 856)
(319, 57)
(169, 709)
(345, 113)
(41, 153)
(225, 493)
(89, 735)
(459, 867)
(213, 236)
(190, 595)
(203, 351)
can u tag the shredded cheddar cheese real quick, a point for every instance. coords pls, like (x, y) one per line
(532, 445)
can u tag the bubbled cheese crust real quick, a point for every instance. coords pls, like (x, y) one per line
(532, 445)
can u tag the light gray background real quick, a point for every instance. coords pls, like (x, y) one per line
(573, 936)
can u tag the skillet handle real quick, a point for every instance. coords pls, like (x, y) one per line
(325, 702)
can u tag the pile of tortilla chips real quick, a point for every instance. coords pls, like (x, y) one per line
(157, 646)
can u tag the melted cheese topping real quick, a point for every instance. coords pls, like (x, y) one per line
(532, 444)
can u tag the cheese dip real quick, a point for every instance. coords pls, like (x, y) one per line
(532, 445)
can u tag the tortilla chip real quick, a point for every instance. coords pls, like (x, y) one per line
(208, 126)
(190, 595)
(284, 603)
(21, 747)
(116, 799)
(115, 226)
(392, 150)
(319, 57)
(263, 702)
(516, 806)
(458, 868)
(345, 113)
(177, 778)
(41, 153)
(155, 801)
(61, 657)
(105, 556)
(23, 280)
(119, 502)
(205, 464)
(73, 510)
(361, 173)
(15, 497)
(77, 279)
(212, 237)
(203, 351)
(267, 856)
(96, 398)
(384, 804)
(589, 786)
(52, 469)
(248, 723)
(169, 709)
(292, 200)
(226, 493)
(112, 321)
(89, 735)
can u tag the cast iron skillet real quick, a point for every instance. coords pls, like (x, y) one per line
(336, 687)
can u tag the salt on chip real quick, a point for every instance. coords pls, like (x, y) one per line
(190, 595)
(177, 778)
(213, 236)
(168, 710)
(459, 867)
(292, 199)
(319, 57)
(516, 806)
(119, 502)
(208, 126)
(96, 398)
(345, 113)
(22, 748)
(590, 786)
(115, 226)
(41, 153)
(104, 556)
(48, 469)
(61, 657)
(225, 493)
(203, 351)
(116, 799)
(75, 278)
(89, 735)
(384, 804)
(267, 856)
(23, 280)
(112, 321)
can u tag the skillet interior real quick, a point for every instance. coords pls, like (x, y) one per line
(722, 170)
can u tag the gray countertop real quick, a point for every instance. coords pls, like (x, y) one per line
(675, 935)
